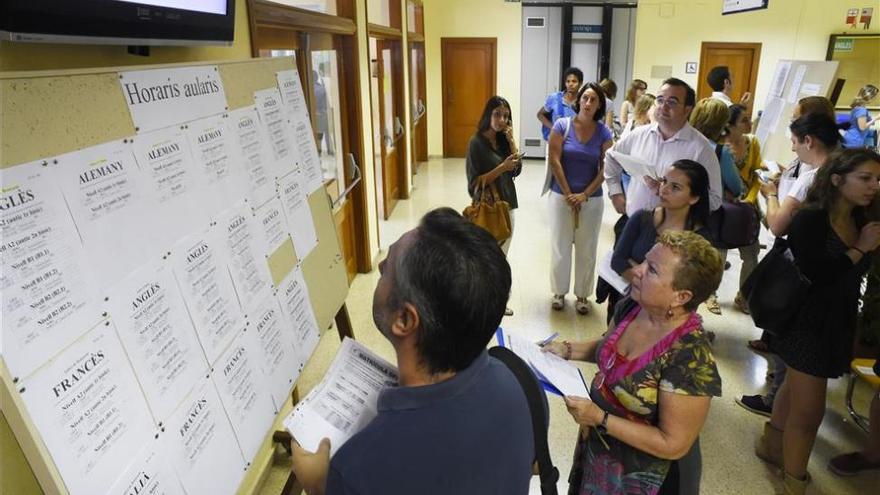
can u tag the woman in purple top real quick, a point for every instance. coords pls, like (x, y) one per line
(577, 155)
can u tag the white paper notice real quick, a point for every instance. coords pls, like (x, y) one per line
(200, 269)
(298, 213)
(270, 218)
(254, 152)
(635, 167)
(278, 128)
(866, 370)
(779, 79)
(308, 152)
(769, 119)
(47, 303)
(551, 368)
(280, 362)
(292, 93)
(293, 295)
(609, 275)
(217, 161)
(810, 89)
(201, 444)
(242, 391)
(90, 411)
(345, 400)
(149, 474)
(239, 233)
(158, 98)
(166, 163)
(104, 191)
(796, 82)
(152, 323)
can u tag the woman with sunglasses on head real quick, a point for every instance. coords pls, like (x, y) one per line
(832, 242)
(636, 89)
(577, 159)
(684, 205)
(657, 374)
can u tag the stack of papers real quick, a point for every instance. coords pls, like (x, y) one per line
(556, 374)
(345, 400)
(635, 167)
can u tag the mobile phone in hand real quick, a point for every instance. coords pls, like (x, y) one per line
(763, 175)
(519, 155)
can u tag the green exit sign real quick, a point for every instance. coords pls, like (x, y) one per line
(843, 45)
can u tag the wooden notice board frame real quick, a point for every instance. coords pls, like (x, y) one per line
(48, 113)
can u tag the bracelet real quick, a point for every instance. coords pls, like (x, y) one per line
(567, 345)
(859, 250)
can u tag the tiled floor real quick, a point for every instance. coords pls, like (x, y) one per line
(727, 438)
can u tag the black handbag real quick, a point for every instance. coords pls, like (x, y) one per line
(775, 290)
(734, 225)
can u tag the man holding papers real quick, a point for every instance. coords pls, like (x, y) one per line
(458, 422)
(650, 150)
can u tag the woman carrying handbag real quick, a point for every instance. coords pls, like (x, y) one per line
(493, 161)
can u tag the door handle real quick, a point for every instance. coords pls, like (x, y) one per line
(398, 127)
(356, 179)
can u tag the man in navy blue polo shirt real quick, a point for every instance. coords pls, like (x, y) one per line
(459, 422)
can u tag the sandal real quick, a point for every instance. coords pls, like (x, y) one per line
(758, 345)
(741, 304)
(712, 305)
(582, 306)
(508, 312)
(558, 302)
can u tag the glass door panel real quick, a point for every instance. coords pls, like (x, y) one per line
(328, 118)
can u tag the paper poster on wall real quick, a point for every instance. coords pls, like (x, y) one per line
(253, 147)
(242, 389)
(240, 235)
(151, 320)
(280, 362)
(810, 89)
(217, 161)
(47, 301)
(769, 119)
(292, 93)
(308, 152)
(167, 165)
(201, 445)
(796, 82)
(200, 269)
(148, 474)
(293, 295)
(89, 411)
(779, 78)
(105, 192)
(157, 98)
(270, 218)
(279, 129)
(300, 223)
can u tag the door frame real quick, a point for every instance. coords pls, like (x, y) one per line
(709, 45)
(445, 43)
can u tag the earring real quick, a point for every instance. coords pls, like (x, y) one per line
(669, 313)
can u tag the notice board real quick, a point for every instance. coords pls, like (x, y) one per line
(168, 270)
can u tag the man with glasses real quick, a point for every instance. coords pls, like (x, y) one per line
(661, 143)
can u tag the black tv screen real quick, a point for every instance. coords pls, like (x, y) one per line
(119, 22)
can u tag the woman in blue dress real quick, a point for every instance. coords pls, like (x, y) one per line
(859, 118)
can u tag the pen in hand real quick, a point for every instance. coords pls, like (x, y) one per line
(549, 339)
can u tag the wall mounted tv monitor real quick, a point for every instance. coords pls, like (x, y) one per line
(119, 22)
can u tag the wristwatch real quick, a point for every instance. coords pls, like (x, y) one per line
(602, 427)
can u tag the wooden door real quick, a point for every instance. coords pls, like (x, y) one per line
(468, 66)
(741, 58)
(388, 72)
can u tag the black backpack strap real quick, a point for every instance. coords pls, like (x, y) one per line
(548, 473)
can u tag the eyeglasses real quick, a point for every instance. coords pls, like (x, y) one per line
(605, 367)
(670, 102)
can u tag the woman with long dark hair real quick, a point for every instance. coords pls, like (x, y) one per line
(831, 241)
(492, 156)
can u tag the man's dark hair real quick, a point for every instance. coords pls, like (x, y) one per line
(491, 104)
(572, 71)
(690, 98)
(457, 277)
(600, 112)
(716, 77)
